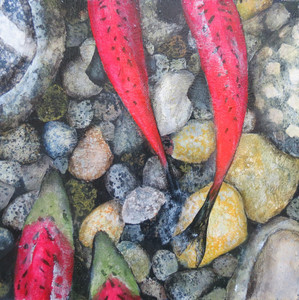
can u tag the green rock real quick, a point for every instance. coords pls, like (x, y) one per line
(53, 104)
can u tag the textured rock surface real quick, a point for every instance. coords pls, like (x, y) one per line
(164, 263)
(248, 8)
(152, 288)
(225, 265)
(154, 175)
(257, 169)
(10, 172)
(6, 192)
(80, 114)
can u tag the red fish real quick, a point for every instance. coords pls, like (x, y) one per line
(115, 25)
(217, 29)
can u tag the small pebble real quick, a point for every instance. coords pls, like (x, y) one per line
(105, 217)
(17, 211)
(154, 175)
(132, 233)
(120, 181)
(136, 258)
(194, 63)
(142, 204)
(164, 263)
(160, 65)
(6, 192)
(249, 121)
(10, 172)
(6, 241)
(170, 103)
(108, 130)
(92, 157)
(61, 163)
(248, 9)
(153, 288)
(177, 65)
(225, 265)
(80, 114)
(59, 139)
(21, 144)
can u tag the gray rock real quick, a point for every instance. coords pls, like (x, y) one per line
(178, 64)
(21, 144)
(74, 79)
(281, 16)
(6, 241)
(33, 174)
(127, 136)
(6, 192)
(119, 181)
(249, 121)
(17, 103)
(59, 139)
(260, 266)
(225, 265)
(293, 209)
(189, 285)
(80, 114)
(170, 103)
(76, 33)
(17, 211)
(108, 130)
(95, 71)
(10, 172)
(154, 175)
(153, 288)
(164, 263)
(275, 70)
(216, 294)
(160, 65)
(132, 233)
(61, 163)
(142, 204)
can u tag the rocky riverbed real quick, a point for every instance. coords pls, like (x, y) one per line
(58, 110)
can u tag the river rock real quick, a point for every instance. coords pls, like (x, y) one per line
(189, 285)
(132, 233)
(160, 65)
(120, 181)
(175, 47)
(164, 263)
(265, 177)
(293, 209)
(216, 294)
(264, 273)
(154, 174)
(6, 241)
(6, 192)
(136, 258)
(75, 81)
(80, 114)
(105, 217)
(92, 157)
(249, 8)
(10, 172)
(227, 225)
(275, 70)
(17, 211)
(170, 103)
(225, 265)
(195, 142)
(35, 45)
(59, 139)
(153, 288)
(76, 33)
(142, 204)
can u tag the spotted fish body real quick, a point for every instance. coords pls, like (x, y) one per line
(117, 31)
(217, 29)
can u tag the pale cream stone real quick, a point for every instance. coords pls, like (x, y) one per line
(275, 115)
(293, 131)
(294, 102)
(273, 68)
(270, 91)
(294, 76)
(288, 52)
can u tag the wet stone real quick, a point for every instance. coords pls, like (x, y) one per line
(21, 144)
(59, 139)
(160, 65)
(154, 175)
(153, 288)
(136, 258)
(132, 233)
(225, 265)
(6, 241)
(10, 172)
(17, 211)
(164, 263)
(142, 204)
(189, 285)
(80, 114)
(6, 192)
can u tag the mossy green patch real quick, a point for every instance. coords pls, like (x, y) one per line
(53, 105)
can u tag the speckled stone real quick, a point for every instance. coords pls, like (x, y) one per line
(17, 211)
(164, 263)
(227, 224)
(195, 142)
(61, 163)
(10, 172)
(293, 209)
(21, 144)
(249, 8)
(108, 129)
(59, 139)
(80, 114)
(76, 33)
(178, 64)
(170, 103)
(189, 285)
(136, 258)
(142, 204)
(154, 175)
(92, 157)
(120, 181)
(225, 265)
(6, 192)
(153, 288)
(174, 48)
(266, 178)
(6, 241)
(132, 233)
(160, 65)
(105, 217)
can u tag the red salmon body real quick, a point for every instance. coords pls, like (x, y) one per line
(115, 25)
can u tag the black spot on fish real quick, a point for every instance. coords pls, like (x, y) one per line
(230, 109)
(224, 61)
(235, 54)
(42, 269)
(123, 49)
(128, 78)
(135, 102)
(216, 49)
(118, 58)
(229, 28)
(25, 273)
(205, 11)
(211, 19)
(112, 48)
(106, 298)
(103, 19)
(115, 38)
(127, 91)
(226, 99)
(120, 297)
(18, 287)
(118, 3)
(58, 284)
(24, 260)
(108, 29)
(101, 7)
(223, 3)
(219, 74)
(26, 246)
(200, 6)
(130, 62)
(226, 130)
(41, 287)
(119, 25)
(100, 3)
(239, 85)
(125, 19)
(126, 38)
(237, 80)
(235, 119)
(225, 10)
(237, 66)
(36, 236)
(134, 85)
(45, 262)
(117, 11)
(112, 284)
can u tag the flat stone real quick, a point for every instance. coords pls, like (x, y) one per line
(92, 157)
(80, 114)
(154, 175)
(6, 192)
(265, 177)
(164, 263)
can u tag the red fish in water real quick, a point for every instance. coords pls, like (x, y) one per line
(217, 29)
(117, 31)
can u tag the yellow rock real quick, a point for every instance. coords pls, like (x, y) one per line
(195, 142)
(106, 217)
(227, 224)
(249, 8)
